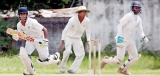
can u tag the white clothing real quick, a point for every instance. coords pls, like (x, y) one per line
(131, 49)
(127, 24)
(127, 45)
(78, 49)
(125, 28)
(34, 29)
(42, 51)
(75, 29)
(72, 34)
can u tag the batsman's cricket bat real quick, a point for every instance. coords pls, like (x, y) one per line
(21, 35)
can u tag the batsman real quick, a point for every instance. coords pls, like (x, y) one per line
(33, 30)
(124, 40)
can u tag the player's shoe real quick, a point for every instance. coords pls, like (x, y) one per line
(56, 57)
(103, 63)
(27, 73)
(52, 59)
(71, 72)
(123, 72)
(62, 70)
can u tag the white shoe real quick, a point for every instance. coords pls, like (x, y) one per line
(52, 59)
(62, 70)
(57, 54)
(27, 73)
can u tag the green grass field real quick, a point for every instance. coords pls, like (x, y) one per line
(146, 65)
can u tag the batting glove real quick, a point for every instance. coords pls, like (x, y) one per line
(145, 40)
(119, 42)
(15, 37)
(44, 43)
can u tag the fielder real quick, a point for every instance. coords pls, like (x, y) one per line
(35, 30)
(71, 36)
(124, 40)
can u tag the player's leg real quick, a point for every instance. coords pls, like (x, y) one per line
(26, 59)
(66, 54)
(79, 53)
(114, 59)
(44, 57)
(133, 57)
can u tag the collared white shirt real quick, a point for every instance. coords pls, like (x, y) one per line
(75, 29)
(32, 28)
(129, 22)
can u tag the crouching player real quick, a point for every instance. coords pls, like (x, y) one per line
(124, 40)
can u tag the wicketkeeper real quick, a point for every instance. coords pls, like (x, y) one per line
(124, 39)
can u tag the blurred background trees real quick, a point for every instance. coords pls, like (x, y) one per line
(6, 5)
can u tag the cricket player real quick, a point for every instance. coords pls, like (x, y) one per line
(71, 36)
(33, 30)
(124, 39)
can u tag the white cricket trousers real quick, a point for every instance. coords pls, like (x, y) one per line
(42, 51)
(128, 46)
(78, 50)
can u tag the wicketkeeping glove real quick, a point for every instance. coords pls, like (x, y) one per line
(145, 40)
(15, 37)
(44, 43)
(119, 41)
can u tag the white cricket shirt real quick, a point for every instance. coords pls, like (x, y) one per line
(127, 24)
(75, 29)
(32, 28)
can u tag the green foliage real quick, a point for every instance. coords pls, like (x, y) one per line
(10, 53)
(110, 49)
(156, 57)
(37, 4)
(64, 3)
(5, 40)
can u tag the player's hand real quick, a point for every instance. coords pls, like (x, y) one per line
(44, 43)
(28, 38)
(88, 44)
(119, 42)
(15, 37)
(145, 40)
(62, 45)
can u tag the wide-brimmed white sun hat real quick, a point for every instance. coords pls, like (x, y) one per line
(82, 8)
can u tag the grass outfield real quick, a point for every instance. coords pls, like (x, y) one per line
(78, 75)
(146, 65)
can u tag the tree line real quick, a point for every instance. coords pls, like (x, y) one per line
(38, 4)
